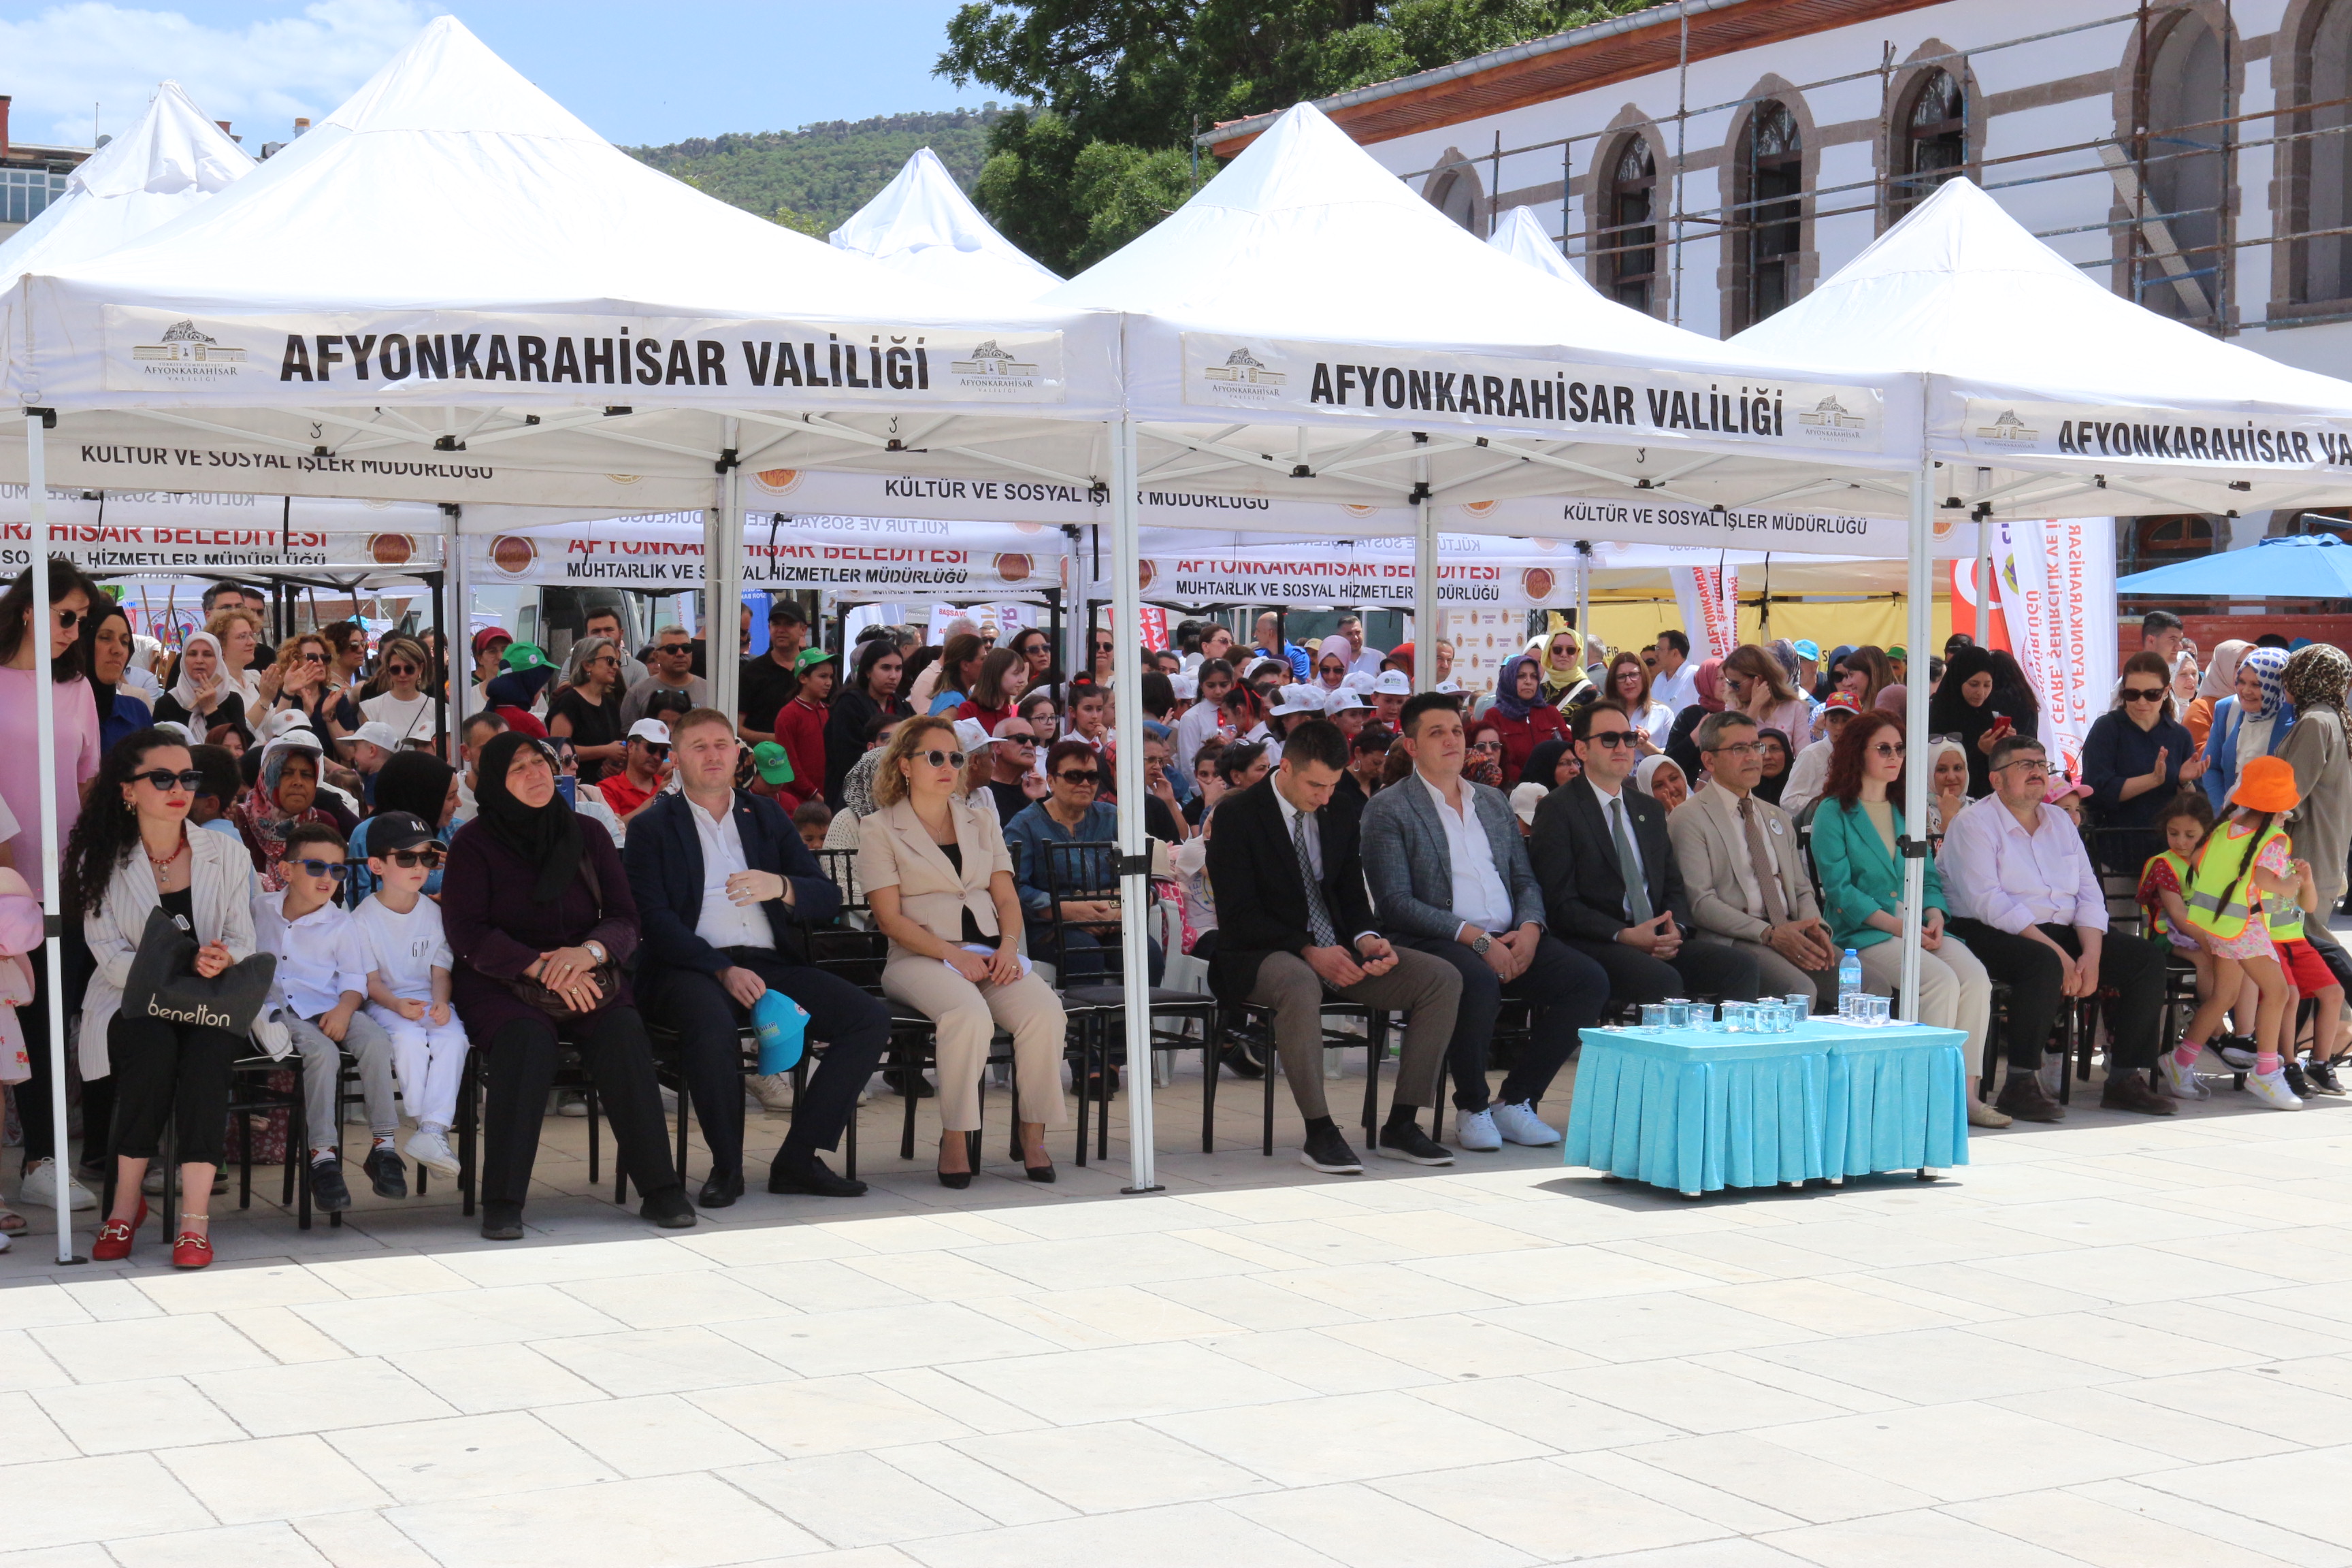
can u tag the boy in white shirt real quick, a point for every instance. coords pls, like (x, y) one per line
(408, 981)
(321, 982)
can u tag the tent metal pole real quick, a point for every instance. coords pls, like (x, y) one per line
(53, 925)
(722, 556)
(1583, 599)
(1134, 855)
(1425, 582)
(1984, 582)
(1920, 608)
(458, 637)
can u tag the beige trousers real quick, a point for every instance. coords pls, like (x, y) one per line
(967, 1016)
(1955, 992)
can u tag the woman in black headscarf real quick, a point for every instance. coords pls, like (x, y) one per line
(1779, 756)
(121, 712)
(1964, 709)
(1544, 765)
(533, 893)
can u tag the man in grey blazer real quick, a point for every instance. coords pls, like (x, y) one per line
(1450, 876)
(1745, 868)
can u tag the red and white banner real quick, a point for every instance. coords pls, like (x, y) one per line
(1709, 597)
(2057, 583)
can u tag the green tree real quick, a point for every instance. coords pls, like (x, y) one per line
(1122, 84)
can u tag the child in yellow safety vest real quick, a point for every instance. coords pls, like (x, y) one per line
(2243, 861)
(2308, 975)
(2164, 881)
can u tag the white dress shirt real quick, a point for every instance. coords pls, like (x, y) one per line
(1996, 871)
(320, 956)
(1609, 803)
(1479, 895)
(1677, 690)
(723, 922)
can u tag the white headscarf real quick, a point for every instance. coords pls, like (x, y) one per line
(2221, 675)
(1647, 772)
(184, 691)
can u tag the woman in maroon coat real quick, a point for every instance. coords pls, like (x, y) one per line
(1520, 715)
(531, 889)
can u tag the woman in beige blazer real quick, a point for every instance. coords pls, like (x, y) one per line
(940, 882)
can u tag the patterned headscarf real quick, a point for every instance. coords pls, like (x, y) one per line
(2316, 677)
(2269, 665)
(1507, 700)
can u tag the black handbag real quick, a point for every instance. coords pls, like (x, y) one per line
(164, 983)
(607, 975)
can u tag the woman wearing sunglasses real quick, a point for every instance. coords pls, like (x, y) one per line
(306, 683)
(2136, 758)
(131, 854)
(26, 658)
(940, 878)
(399, 695)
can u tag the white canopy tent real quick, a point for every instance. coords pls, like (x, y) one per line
(922, 227)
(2063, 399)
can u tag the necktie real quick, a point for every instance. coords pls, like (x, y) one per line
(1318, 916)
(1637, 892)
(1776, 907)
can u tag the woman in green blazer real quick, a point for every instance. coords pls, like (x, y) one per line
(1856, 829)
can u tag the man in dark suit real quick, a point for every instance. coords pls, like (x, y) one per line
(1450, 876)
(1611, 884)
(724, 888)
(1292, 924)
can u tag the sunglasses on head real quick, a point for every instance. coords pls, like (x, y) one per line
(430, 859)
(164, 779)
(1610, 738)
(1079, 776)
(335, 870)
(938, 759)
(2143, 694)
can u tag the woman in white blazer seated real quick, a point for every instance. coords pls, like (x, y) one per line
(132, 851)
(941, 881)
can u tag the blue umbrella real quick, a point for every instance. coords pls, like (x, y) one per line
(2301, 566)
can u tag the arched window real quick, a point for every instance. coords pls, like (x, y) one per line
(2324, 162)
(1456, 194)
(1931, 140)
(1629, 241)
(1768, 228)
(2177, 252)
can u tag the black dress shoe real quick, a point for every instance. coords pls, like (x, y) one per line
(669, 1208)
(388, 1172)
(956, 1180)
(501, 1222)
(814, 1179)
(1328, 1151)
(1044, 1173)
(1406, 1141)
(721, 1190)
(329, 1192)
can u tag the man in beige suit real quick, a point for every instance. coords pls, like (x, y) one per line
(1745, 868)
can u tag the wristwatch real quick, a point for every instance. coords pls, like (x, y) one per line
(596, 950)
(1482, 944)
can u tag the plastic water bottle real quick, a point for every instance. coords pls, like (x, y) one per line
(1849, 981)
(781, 1024)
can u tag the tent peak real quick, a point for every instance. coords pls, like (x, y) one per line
(173, 148)
(922, 225)
(1303, 160)
(447, 80)
(1521, 236)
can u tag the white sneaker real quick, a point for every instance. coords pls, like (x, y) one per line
(1475, 1129)
(570, 1102)
(2271, 1088)
(773, 1090)
(2180, 1082)
(1518, 1123)
(38, 1189)
(432, 1150)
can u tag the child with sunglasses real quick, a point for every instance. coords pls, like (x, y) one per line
(409, 966)
(322, 982)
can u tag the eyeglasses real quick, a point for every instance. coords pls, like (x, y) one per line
(1744, 749)
(657, 751)
(1083, 778)
(1019, 742)
(2143, 694)
(941, 759)
(400, 670)
(411, 858)
(1888, 748)
(164, 779)
(1610, 738)
(335, 870)
(1485, 745)
(2032, 769)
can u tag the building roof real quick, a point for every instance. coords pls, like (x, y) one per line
(1578, 60)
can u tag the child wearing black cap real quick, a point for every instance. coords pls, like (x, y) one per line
(408, 981)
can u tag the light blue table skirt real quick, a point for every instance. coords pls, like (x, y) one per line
(1697, 1113)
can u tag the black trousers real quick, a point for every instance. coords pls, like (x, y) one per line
(2036, 982)
(853, 1024)
(1567, 989)
(36, 1096)
(523, 1057)
(1701, 968)
(173, 1072)
(1093, 960)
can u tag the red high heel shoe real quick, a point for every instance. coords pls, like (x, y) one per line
(193, 1250)
(113, 1243)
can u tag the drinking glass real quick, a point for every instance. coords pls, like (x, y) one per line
(1653, 1015)
(1802, 1001)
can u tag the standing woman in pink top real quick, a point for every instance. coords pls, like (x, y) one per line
(25, 657)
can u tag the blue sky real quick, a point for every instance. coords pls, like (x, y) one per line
(640, 73)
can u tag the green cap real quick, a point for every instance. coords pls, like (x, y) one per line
(775, 767)
(525, 656)
(1898, 651)
(810, 658)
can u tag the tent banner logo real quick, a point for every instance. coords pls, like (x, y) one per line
(2280, 441)
(560, 358)
(1545, 395)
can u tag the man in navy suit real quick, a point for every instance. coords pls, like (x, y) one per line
(724, 888)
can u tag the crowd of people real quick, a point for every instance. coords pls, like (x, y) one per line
(597, 844)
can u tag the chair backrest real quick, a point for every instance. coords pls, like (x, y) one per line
(1084, 870)
(841, 867)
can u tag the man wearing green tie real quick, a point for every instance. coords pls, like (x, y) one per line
(1613, 889)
